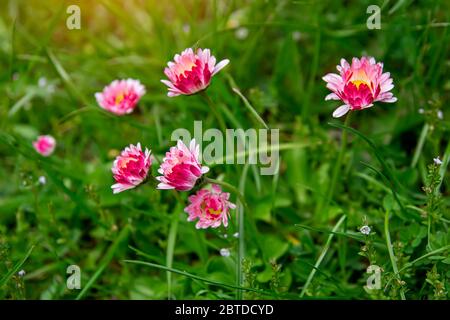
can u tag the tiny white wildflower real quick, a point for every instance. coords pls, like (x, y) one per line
(421, 111)
(42, 180)
(21, 273)
(224, 252)
(42, 82)
(241, 33)
(365, 230)
(236, 235)
(440, 114)
(437, 161)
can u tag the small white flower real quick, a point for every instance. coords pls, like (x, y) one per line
(236, 235)
(421, 111)
(437, 161)
(224, 252)
(42, 180)
(296, 35)
(21, 273)
(42, 82)
(440, 114)
(365, 230)
(241, 33)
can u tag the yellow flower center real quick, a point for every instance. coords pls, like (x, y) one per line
(123, 162)
(120, 97)
(184, 67)
(357, 83)
(214, 212)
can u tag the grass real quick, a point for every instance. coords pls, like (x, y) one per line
(293, 242)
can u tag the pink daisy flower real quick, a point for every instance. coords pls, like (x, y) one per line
(130, 168)
(181, 167)
(191, 72)
(121, 96)
(359, 85)
(45, 145)
(211, 208)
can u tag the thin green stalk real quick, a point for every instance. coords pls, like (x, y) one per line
(241, 241)
(429, 233)
(171, 240)
(16, 267)
(443, 166)
(216, 112)
(420, 144)
(241, 204)
(250, 108)
(170, 251)
(342, 254)
(323, 205)
(314, 66)
(104, 262)
(192, 276)
(429, 254)
(391, 252)
(322, 255)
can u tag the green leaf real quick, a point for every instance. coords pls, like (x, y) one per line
(273, 247)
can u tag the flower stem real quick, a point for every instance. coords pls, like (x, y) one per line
(321, 256)
(336, 170)
(215, 111)
(171, 240)
(391, 252)
(241, 245)
(241, 204)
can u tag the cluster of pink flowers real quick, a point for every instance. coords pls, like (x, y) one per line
(358, 85)
(180, 170)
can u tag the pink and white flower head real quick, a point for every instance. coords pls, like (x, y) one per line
(45, 145)
(191, 72)
(121, 96)
(181, 167)
(211, 208)
(130, 168)
(359, 85)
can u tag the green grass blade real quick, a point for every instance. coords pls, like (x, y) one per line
(105, 261)
(195, 277)
(391, 252)
(16, 267)
(170, 250)
(431, 253)
(322, 256)
(420, 144)
(241, 240)
(354, 236)
(250, 108)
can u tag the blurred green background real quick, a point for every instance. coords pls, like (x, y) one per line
(279, 50)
